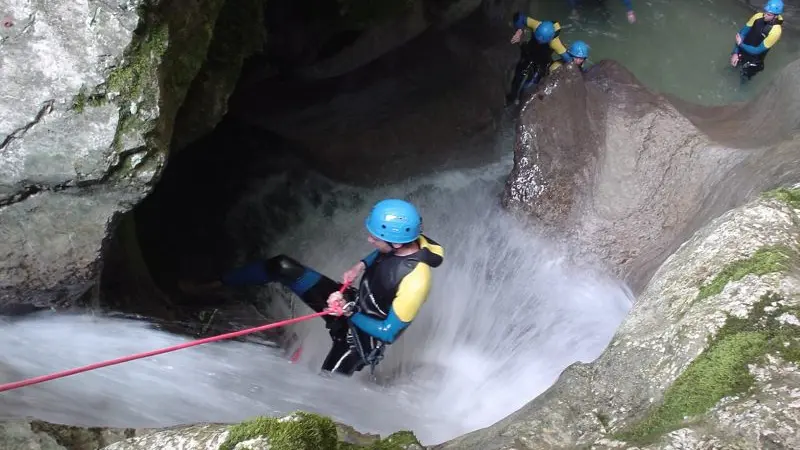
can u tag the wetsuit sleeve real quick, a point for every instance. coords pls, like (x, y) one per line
(521, 21)
(746, 29)
(766, 44)
(559, 48)
(370, 259)
(628, 4)
(411, 294)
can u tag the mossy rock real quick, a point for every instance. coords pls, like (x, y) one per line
(306, 431)
(722, 369)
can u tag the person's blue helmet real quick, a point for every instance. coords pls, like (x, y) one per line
(544, 32)
(579, 49)
(394, 221)
(774, 7)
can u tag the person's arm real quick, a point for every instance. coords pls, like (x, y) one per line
(370, 259)
(411, 294)
(521, 21)
(746, 29)
(768, 42)
(559, 48)
(628, 4)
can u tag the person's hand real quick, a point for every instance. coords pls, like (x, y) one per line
(734, 59)
(353, 273)
(516, 37)
(336, 304)
(738, 39)
(631, 17)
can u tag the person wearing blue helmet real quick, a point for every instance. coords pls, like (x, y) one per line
(536, 54)
(757, 38)
(395, 280)
(579, 51)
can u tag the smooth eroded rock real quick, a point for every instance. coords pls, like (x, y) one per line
(630, 174)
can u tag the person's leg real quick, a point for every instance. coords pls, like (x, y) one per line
(344, 358)
(516, 83)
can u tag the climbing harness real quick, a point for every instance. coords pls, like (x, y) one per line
(66, 373)
(375, 355)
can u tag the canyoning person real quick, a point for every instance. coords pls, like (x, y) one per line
(536, 55)
(757, 38)
(395, 281)
(628, 7)
(579, 51)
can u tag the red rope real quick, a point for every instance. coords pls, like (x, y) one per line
(66, 373)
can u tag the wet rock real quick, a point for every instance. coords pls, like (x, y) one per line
(708, 357)
(38, 435)
(629, 174)
(90, 91)
(433, 103)
(297, 431)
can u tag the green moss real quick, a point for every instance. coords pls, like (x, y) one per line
(764, 260)
(789, 196)
(307, 431)
(396, 441)
(166, 52)
(721, 370)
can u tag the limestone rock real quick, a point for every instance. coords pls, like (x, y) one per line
(90, 93)
(707, 359)
(297, 431)
(23, 434)
(630, 174)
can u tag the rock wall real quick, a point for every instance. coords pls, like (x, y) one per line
(433, 103)
(629, 174)
(708, 357)
(91, 92)
(297, 431)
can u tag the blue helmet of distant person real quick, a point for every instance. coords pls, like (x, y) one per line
(545, 32)
(774, 7)
(394, 221)
(579, 49)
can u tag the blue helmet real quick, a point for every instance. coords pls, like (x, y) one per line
(394, 221)
(774, 7)
(579, 49)
(545, 32)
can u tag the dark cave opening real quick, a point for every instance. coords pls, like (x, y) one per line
(179, 230)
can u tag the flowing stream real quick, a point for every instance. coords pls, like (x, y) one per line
(508, 311)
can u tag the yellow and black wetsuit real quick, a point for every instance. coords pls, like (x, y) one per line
(391, 293)
(534, 56)
(758, 37)
(394, 288)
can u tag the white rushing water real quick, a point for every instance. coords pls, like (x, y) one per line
(506, 315)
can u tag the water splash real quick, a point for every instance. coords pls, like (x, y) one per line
(507, 313)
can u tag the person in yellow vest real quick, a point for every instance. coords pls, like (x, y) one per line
(396, 278)
(536, 54)
(757, 38)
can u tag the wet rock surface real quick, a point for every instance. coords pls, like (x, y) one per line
(630, 174)
(434, 103)
(706, 359)
(91, 92)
